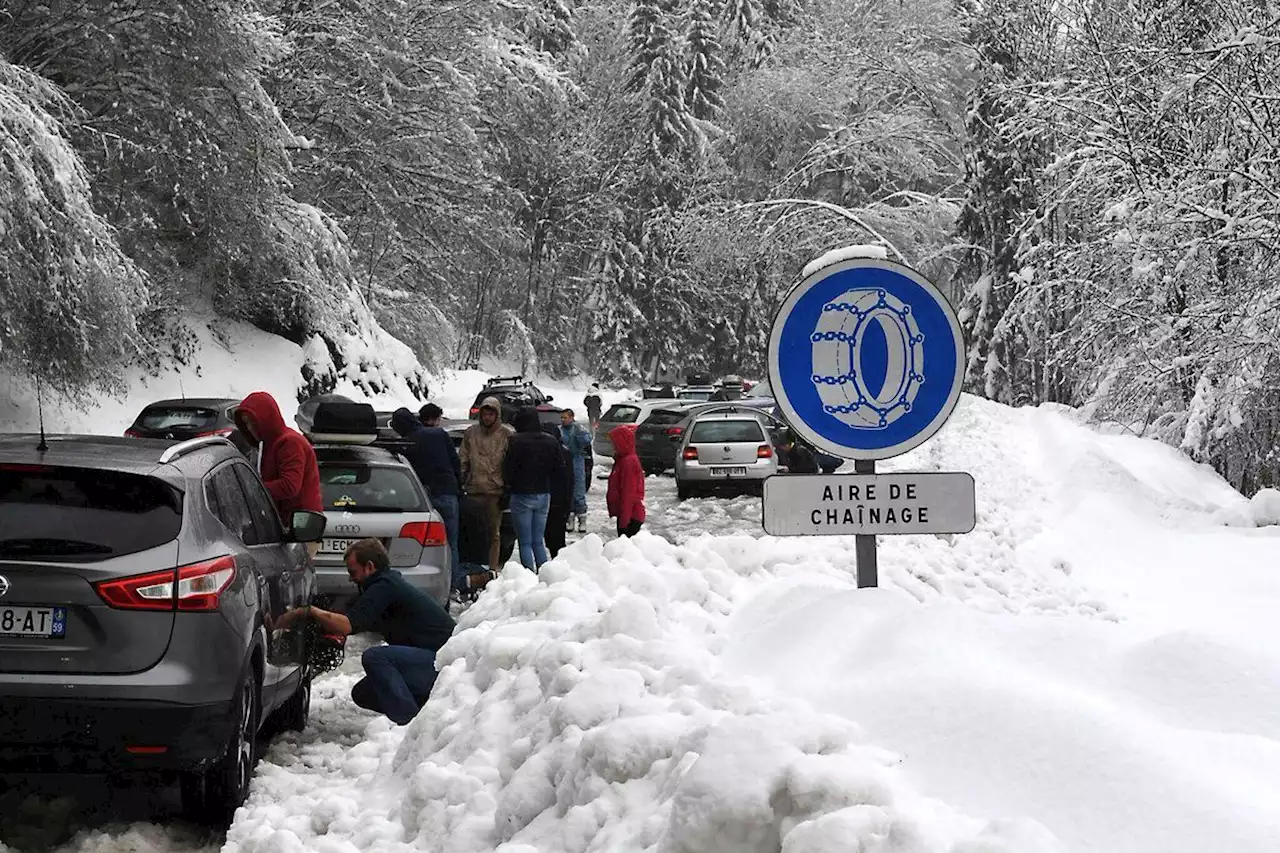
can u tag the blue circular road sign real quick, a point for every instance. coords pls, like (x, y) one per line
(866, 358)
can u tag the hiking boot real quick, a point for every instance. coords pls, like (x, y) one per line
(479, 580)
(582, 523)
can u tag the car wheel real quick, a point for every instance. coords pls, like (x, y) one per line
(292, 715)
(683, 492)
(212, 796)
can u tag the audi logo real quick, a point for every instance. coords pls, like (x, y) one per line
(346, 528)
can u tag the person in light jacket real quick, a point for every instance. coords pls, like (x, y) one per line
(484, 447)
(574, 437)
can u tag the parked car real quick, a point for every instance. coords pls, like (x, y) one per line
(658, 438)
(194, 417)
(727, 448)
(696, 393)
(370, 490)
(514, 393)
(139, 580)
(620, 414)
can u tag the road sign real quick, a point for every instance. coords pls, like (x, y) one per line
(866, 358)
(868, 504)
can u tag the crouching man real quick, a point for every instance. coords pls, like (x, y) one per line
(398, 676)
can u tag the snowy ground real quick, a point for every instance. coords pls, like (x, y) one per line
(1096, 667)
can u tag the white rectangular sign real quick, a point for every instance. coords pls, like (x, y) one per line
(852, 504)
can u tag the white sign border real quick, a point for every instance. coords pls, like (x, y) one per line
(780, 392)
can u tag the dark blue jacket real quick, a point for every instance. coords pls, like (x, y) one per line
(432, 454)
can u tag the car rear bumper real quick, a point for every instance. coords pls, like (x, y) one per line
(704, 474)
(334, 585)
(41, 735)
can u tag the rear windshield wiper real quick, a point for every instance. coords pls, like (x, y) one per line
(49, 546)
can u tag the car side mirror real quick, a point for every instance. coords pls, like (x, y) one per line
(307, 526)
(550, 398)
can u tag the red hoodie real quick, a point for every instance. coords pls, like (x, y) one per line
(626, 483)
(288, 467)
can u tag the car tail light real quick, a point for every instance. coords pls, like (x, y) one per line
(675, 432)
(226, 431)
(475, 410)
(25, 468)
(690, 453)
(137, 749)
(198, 587)
(764, 451)
(133, 433)
(425, 532)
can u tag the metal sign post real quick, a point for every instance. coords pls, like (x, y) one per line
(866, 361)
(864, 544)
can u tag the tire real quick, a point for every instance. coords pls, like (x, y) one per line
(683, 492)
(292, 715)
(212, 796)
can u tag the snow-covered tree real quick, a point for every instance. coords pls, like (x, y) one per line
(71, 298)
(706, 69)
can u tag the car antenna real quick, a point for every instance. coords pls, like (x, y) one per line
(43, 446)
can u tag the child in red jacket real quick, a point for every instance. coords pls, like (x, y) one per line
(626, 482)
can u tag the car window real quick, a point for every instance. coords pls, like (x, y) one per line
(665, 417)
(232, 506)
(358, 487)
(621, 414)
(725, 432)
(168, 417)
(263, 510)
(81, 514)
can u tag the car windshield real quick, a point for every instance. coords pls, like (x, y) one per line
(80, 514)
(168, 417)
(620, 414)
(356, 487)
(726, 432)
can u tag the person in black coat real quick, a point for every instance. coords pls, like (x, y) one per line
(530, 471)
(434, 459)
(797, 456)
(561, 497)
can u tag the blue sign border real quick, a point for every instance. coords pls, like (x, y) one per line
(791, 359)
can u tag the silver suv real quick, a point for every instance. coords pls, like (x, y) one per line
(372, 491)
(139, 582)
(731, 451)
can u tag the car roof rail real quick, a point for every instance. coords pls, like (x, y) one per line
(191, 445)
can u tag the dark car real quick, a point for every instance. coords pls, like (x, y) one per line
(139, 582)
(192, 417)
(514, 393)
(658, 438)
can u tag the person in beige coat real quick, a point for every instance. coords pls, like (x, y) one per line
(484, 446)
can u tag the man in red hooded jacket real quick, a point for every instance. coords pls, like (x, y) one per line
(287, 463)
(626, 482)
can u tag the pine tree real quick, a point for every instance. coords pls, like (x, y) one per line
(706, 68)
(657, 73)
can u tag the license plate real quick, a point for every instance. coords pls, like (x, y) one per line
(47, 622)
(728, 472)
(646, 436)
(336, 546)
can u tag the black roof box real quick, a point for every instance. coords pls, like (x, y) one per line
(339, 422)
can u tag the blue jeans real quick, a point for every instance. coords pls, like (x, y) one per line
(529, 517)
(397, 681)
(447, 506)
(579, 486)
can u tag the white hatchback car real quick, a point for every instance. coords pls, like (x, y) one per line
(731, 451)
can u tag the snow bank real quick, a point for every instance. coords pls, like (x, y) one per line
(588, 709)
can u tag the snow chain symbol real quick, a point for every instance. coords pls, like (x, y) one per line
(841, 331)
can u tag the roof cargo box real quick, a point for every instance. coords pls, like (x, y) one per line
(343, 423)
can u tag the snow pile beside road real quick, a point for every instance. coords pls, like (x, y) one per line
(589, 709)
